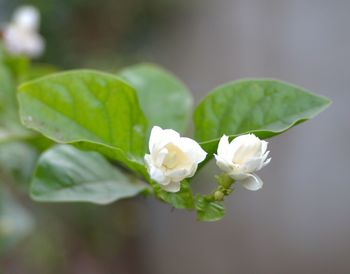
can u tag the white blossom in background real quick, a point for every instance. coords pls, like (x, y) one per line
(21, 35)
(242, 157)
(172, 158)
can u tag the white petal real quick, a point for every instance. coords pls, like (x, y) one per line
(154, 138)
(252, 165)
(27, 17)
(20, 41)
(253, 182)
(266, 162)
(172, 187)
(35, 45)
(238, 175)
(178, 174)
(192, 149)
(223, 146)
(263, 146)
(223, 164)
(158, 175)
(161, 137)
(246, 147)
(159, 156)
(192, 170)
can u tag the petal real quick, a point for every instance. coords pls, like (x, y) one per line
(158, 175)
(27, 17)
(192, 170)
(238, 175)
(154, 138)
(253, 182)
(252, 165)
(246, 147)
(192, 149)
(158, 157)
(172, 187)
(263, 146)
(226, 150)
(161, 137)
(266, 162)
(223, 164)
(178, 174)
(223, 146)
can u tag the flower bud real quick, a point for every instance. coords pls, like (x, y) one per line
(219, 195)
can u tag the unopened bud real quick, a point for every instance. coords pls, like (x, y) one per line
(219, 195)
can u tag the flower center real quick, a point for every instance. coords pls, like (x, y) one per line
(170, 160)
(174, 157)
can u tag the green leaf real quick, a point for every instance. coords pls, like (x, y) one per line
(263, 107)
(94, 110)
(208, 210)
(66, 174)
(181, 200)
(10, 127)
(165, 101)
(15, 221)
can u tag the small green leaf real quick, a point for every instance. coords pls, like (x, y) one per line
(208, 210)
(165, 101)
(263, 107)
(94, 110)
(181, 200)
(66, 174)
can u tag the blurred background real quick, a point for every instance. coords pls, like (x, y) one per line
(298, 223)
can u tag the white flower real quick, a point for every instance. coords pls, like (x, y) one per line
(172, 158)
(27, 17)
(241, 158)
(21, 35)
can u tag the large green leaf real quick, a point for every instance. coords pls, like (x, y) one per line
(165, 101)
(263, 107)
(94, 110)
(66, 174)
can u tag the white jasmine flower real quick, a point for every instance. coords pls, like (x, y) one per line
(241, 158)
(21, 35)
(172, 158)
